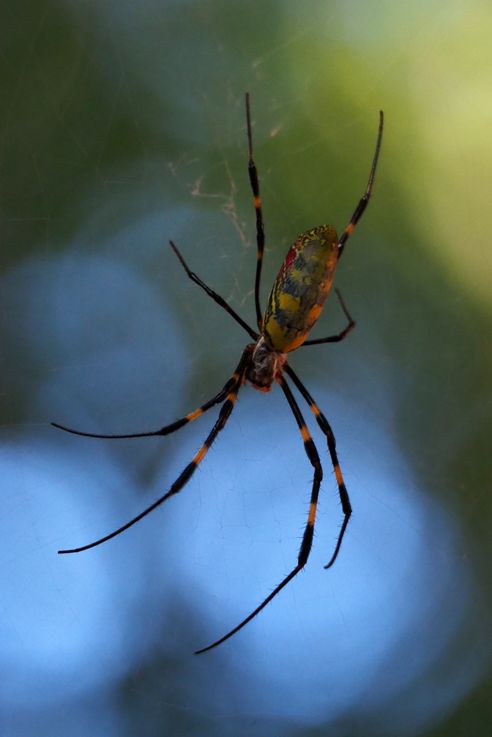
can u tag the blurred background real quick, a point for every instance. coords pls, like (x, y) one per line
(122, 126)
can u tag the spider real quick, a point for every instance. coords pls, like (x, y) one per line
(295, 303)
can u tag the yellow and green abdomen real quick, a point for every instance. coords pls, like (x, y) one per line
(300, 289)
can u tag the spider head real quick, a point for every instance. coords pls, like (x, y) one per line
(264, 366)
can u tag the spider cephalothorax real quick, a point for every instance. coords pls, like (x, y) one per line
(296, 300)
(265, 365)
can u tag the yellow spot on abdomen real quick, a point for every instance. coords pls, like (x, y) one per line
(295, 343)
(277, 336)
(288, 302)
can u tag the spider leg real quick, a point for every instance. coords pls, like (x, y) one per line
(364, 201)
(167, 429)
(330, 438)
(189, 470)
(307, 538)
(260, 229)
(339, 336)
(216, 297)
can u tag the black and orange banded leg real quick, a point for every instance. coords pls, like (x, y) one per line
(211, 293)
(167, 429)
(260, 228)
(364, 201)
(189, 470)
(312, 454)
(339, 336)
(330, 439)
(307, 538)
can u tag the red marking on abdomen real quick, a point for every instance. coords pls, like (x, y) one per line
(290, 257)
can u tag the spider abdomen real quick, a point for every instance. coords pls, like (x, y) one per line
(300, 289)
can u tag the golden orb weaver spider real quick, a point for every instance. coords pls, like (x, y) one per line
(295, 303)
